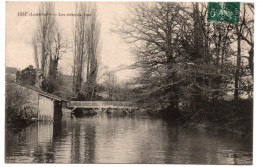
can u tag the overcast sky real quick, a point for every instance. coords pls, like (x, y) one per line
(19, 30)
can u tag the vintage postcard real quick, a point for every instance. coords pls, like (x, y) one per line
(129, 82)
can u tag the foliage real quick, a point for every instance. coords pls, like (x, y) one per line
(26, 76)
(229, 116)
(52, 84)
(180, 56)
(15, 101)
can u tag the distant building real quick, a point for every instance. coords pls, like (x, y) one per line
(45, 106)
(103, 94)
(10, 70)
(228, 97)
(10, 73)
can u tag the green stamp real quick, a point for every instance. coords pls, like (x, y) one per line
(224, 12)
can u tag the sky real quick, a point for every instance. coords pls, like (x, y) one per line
(19, 29)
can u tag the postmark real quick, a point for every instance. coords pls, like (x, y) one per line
(224, 12)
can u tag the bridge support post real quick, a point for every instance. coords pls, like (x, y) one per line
(96, 110)
(126, 110)
(73, 109)
(103, 110)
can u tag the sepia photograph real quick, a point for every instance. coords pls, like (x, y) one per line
(142, 82)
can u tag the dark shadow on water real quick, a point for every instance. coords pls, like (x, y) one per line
(79, 113)
(57, 129)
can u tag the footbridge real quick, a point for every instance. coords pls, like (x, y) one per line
(101, 106)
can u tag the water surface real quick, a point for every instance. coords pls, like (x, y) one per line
(121, 139)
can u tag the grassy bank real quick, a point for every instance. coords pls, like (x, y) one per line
(228, 116)
(215, 115)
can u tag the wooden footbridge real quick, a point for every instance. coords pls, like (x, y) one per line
(102, 106)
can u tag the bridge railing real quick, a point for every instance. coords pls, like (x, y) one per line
(101, 103)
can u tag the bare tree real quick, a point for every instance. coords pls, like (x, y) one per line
(155, 31)
(58, 49)
(44, 32)
(179, 53)
(93, 47)
(80, 44)
(110, 84)
(245, 32)
(49, 46)
(42, 39)
(36, 60)
(86, 34)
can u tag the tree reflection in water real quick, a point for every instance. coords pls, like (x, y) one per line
(121, 139)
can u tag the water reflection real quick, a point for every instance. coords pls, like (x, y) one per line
(121, 139)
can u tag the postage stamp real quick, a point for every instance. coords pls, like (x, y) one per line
(224, 12)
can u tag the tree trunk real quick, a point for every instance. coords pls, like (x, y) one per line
(236, 96)
(251, 61)
(53, 68)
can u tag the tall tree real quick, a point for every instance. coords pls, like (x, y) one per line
(244, 32)
(247, 32)
(48, 44)
(57, 50)
(153, 29)
(93, 47)
(80, 44)
(86, 34)
(43, 37)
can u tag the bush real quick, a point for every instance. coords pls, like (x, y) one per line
(14, 102)
(27, 76)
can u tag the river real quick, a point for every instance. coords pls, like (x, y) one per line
(121, 139)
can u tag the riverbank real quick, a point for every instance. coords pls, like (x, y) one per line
(219, 116)
(229, 117)
(21, 122)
